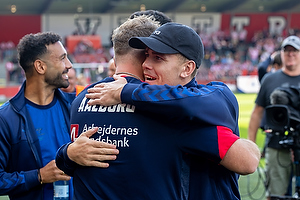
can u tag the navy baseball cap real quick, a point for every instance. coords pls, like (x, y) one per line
(172, 38)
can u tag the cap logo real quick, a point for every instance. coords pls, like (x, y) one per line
(156, 32)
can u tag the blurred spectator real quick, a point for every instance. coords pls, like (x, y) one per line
(272, 63)
(243, 35)
(7, 50)
(14, 73)
(111, 67)
(73, 89)
(234, 37)
(253, 54)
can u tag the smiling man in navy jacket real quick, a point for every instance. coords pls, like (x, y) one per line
(167, 142)
(172, 55)
(35, 122)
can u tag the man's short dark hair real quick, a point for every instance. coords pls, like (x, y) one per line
(33, 46)
(158, 16)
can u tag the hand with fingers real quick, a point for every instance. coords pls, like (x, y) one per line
(87, 152)
(50, 173)
(107, 94)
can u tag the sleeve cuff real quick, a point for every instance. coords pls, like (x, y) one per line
(63, 162)
(31, 179)
(127, 93)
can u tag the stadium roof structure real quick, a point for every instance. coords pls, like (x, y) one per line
(36, 7)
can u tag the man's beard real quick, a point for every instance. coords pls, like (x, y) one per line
(58, 81)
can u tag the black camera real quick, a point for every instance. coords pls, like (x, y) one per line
(280, 118)
(277, 117)
(283, 121)
(283, 116)
(284, 113)
(280, 121)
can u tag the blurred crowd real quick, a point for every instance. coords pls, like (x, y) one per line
(228, 54)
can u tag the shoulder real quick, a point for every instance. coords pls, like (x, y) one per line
(5, 109)
(132, 80)
(270, 77)
(8, 116)
(216, 86)
(107, 79)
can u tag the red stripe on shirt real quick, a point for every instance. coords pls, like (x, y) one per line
(225, 139)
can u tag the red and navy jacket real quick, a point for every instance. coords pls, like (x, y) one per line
(212, 104)
(154, 146)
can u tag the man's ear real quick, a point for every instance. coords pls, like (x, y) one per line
(188, 69)
(40, 66)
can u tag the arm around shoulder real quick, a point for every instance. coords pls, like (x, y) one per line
(242, 157)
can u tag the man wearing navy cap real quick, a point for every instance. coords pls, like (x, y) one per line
(173, 38)
(173, 54)
(278, 160)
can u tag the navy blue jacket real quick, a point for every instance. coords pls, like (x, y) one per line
(20, 152)
(154, 143)
(212, 104)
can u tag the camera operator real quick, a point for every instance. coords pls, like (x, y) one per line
(278, 160)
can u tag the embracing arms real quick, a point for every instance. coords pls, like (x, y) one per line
(242, 157)
(85, 152)
(213, 103)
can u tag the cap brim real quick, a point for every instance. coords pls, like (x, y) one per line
(290, 44)
(152, 43)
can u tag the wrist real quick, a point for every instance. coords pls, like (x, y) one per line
(40, 177)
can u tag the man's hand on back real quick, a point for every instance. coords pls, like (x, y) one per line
(87, 152)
